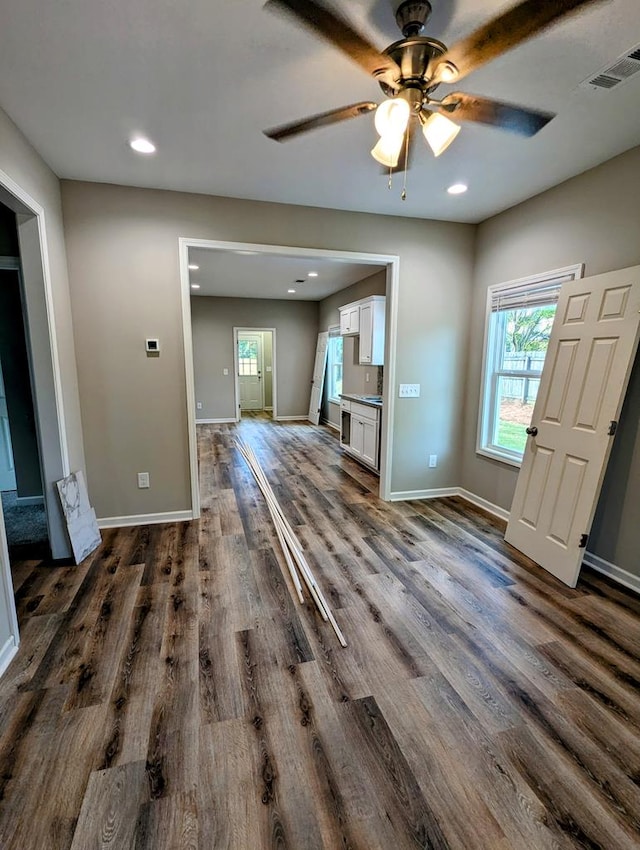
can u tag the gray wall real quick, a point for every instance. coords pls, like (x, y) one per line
(593, 218)
(354, 376)
(212, 322)
(122, 247)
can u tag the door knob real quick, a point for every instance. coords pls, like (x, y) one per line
(533, 431)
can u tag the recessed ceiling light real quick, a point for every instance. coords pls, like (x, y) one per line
(193, 267)
(312, 274)
(457, 189)
(195, 286)
(142, 145)
(291, 290)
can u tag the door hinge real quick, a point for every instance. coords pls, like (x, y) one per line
(583, 541)
(613, 427)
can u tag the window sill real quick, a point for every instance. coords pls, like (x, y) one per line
(494, 454)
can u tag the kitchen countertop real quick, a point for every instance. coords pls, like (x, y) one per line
(371, 400)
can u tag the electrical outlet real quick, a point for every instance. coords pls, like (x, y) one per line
(199, 405)
(433, 461)
(225, 371)
(367, 377)
(409, 391)
(143, 480)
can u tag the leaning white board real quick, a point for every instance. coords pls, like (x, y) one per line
(80, 517)
(317, 384)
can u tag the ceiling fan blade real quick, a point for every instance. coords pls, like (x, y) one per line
(515, 119)
(286, 131)
(501, 34)
(338, 32)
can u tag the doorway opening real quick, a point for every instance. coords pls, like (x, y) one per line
(21, 489)
(255, 385)
(282, 287)
(20, 466)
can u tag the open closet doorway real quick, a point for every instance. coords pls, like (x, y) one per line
(21, 489)
(254, 352)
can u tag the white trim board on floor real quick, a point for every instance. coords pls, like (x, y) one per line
(302, 418)
(144, 519)
(215, 421)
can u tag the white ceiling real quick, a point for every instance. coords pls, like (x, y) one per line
(202, 79)
(238, 274)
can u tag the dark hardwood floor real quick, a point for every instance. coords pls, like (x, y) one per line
(171, 693)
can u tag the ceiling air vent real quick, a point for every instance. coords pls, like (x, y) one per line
(615, 75)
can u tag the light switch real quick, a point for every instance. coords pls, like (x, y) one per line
(409, 391)
(225, 371)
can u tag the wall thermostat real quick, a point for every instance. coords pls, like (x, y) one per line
(152, 346)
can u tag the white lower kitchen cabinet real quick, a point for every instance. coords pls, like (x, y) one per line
(361, 437)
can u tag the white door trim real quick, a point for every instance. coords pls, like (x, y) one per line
(37, 209)
(391, 261)
(9, 187)
(236, 385)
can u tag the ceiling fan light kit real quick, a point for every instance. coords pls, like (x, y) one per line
(410, 70)
(439, 131)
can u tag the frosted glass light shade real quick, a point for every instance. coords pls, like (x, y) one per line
(387, 151)
(392, 116)
(439, 131)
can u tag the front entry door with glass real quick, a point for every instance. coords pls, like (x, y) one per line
(250, 362)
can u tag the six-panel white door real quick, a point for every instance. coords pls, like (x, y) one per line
(317, 383)
(591, 351)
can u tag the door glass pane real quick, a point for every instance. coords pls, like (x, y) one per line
(247, 357)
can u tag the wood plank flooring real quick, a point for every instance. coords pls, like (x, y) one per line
(171, 693)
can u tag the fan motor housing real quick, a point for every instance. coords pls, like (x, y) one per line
(417, 57)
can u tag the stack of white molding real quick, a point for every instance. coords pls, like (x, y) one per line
(291, 548)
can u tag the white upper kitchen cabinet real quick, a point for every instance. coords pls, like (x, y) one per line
(350, 319)
(372, 315)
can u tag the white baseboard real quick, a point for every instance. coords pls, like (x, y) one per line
(486, 505)
(302, 418)
(268, 408)
(331, 425)
(443, 492)
(612, 571)
(7, 653)
(29, 500)
(437, 493)
(144, 519)
(214, 421)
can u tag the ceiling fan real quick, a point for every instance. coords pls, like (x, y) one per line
(410, 70)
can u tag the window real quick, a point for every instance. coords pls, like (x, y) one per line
(247, 357)
(520, 316)
(334, 365)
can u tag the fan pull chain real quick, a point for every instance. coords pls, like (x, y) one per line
(390, 176)
(406, 163)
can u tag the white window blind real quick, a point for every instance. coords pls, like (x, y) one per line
(525, 296)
